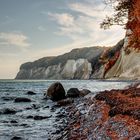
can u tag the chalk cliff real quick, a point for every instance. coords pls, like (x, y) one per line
(83, 63)
(128, 62)
(76, 64)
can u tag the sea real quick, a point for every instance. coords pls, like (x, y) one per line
(22, 125)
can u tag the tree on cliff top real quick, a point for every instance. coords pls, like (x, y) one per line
(121, 9)
(127, 12)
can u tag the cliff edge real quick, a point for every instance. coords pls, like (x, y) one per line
(128, 62)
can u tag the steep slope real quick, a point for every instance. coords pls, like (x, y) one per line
(128, 62)
(103, 62)
(83, 63)
(73, 65)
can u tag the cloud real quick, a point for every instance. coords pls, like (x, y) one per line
(84, 24)
(15, 39)
(89, 10)
(63, 19)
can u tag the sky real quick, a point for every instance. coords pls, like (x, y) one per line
(32, 29)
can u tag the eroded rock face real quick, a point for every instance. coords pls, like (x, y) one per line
(84, 63)
(76, 64)
(77, 69)
(128, 64)
(72, 69)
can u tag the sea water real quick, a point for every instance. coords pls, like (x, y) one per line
(39, 129)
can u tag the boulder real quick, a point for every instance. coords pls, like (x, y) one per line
(22, 99)
(8, 111)
(17, 138)
(13, 121)
(56, 92)
(40, 117)
(73, 92)
(65, 102)
(84, 92)
(31, 93)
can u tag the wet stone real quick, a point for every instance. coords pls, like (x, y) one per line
(8, 111)
(24, 125)
(41, 117)
(29, 117)
(84, 92)
(13, 121)
(136, 138)
(60, 115)
(31, 93)
(17, 138)
(28, 108)
(46, 106)
(56, 92)
(35, 106)
(73, 93)
(65, 102)
(22, 99)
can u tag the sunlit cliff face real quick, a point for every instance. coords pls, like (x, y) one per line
(127, 65)
(133, 26)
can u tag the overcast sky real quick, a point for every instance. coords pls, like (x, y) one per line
(31, 29)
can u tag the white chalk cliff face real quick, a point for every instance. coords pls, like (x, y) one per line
(76, 64)
(81, 63)
(128, 64)
(77, 69)
(73, 69)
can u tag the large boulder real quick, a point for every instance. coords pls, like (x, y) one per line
(73, 93)
(56, 92)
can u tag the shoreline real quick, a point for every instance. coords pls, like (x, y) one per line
(109, 115)
(82, 114)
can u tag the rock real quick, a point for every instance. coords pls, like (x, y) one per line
(56, 132)
(65, 102)
(136, 137)
(84, 92)
(31, 93)
(73, 93)
(46, 106)
(16, 138)
(25, 125)
(60, 116)
(28, 108)
(41, 117)
(29, 117)
(56, 92)
(38, 117)
(22, 99)
(13, 121)
(4, 121)
(8, 111)
(35, 106)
